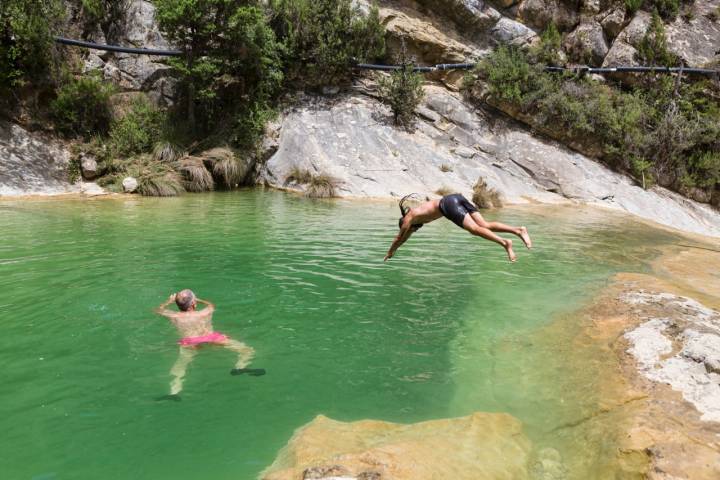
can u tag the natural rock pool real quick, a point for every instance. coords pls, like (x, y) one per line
(446, 328)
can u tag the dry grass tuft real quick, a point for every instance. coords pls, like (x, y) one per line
(166, 152)
(484, 196)
(322, 186)
(196, 176)
(300, 176)
(226, 167)
(445, 168)
(442, 191)
(155, 179)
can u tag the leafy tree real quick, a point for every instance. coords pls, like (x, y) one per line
(26, 40)
(549, 48)
(231, 58)
(653, 49)
(322, 38)
(82, 106)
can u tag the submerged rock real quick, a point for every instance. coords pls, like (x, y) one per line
(481, 446)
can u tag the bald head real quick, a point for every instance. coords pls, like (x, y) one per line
(185, 299)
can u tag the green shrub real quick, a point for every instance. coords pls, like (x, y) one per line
(402, 90)
(108, 15)
(633, 5)
(250, 125)
(653, 49)
(668, 9)
(138, 130)
(322, 38)
(661, 131)
(509, 74)
(82, 106)
(26, 41)
(548, 49)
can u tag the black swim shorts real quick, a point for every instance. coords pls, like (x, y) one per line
(455, 207)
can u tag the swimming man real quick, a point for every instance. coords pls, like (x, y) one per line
(195, 327)
(462, 213)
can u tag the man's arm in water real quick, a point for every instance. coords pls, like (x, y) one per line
(164, 311)
(401, 238)
(210, 307)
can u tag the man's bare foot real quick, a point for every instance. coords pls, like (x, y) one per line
(525, 237)
(509, 250)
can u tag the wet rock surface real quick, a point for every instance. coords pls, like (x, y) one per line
(481, 446)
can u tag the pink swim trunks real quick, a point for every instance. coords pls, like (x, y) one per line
(214, 337)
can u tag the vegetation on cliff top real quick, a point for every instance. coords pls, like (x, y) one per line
(662, 130)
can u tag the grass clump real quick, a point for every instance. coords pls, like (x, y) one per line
(299, 176)
(484, 196)
(155, 179)
(226, 168)
(322, 186)
(196, 176)
(442, 191)
(82, 106)
(445, 168)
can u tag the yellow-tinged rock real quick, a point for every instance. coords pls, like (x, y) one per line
(476, 447)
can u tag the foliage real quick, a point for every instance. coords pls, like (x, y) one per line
(484, 196)
(509, 74)
(138, 130)
(108, 15)
(155, 179)
(668, 9)
(82, 106)
(402, 90)
(231, 58)
(666, 131)
(26, 41)
(633, 6)
(653, 49)
(321, 39)
(442, 191)
(548, 49)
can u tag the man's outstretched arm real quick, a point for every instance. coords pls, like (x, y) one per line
(209, 305)
(162, 310)
(404, 234)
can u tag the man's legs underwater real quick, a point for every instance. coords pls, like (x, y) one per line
(185, 356)
(245, 355)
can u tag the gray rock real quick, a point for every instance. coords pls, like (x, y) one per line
(474, 16)
(88, 166)
(32, 163)
(130, 185)
(330, 90)
(587, 43)
(510, 31)
(465, 152)
(696, 42)
(613, 22)
(540, 13)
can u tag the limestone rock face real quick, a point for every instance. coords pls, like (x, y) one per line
(481, 446)
(540, 13)
(696, 42)
(424, 41)
(31, 163)
(587, 43)
(130, 184)
(510, 31)
(137, 72)
(474, 16)
(613, 22)
(624, 48)
(352, 139)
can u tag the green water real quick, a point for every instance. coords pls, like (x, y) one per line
(443, 329)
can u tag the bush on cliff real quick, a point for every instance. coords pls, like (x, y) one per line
(321, 39)
(667, 131)
(82, 106)
(26, 42)
(402, 90)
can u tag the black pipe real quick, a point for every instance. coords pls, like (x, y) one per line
(116, 48)
(699, 71)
